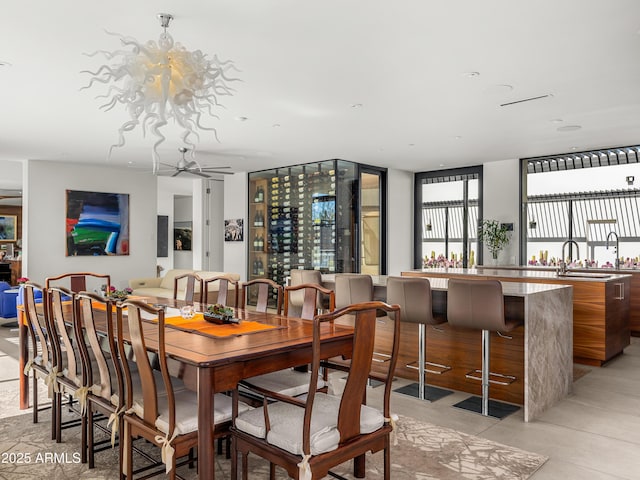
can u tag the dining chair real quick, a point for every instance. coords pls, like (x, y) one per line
(41, 358)
(69, 376)
(192, 284)
(104, 376)
(77, 281)
(312, 299)
(299, 276)
(166, 418)
(308, 436)
(294, 381)
(264, 287)
(221, 297)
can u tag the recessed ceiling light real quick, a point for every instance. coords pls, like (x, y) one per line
(242, 119)
(412, 144)
(569, 128)
(131, 163)
(574, 148)
(471, 74)
(442, 164)
(557, 120)
(356, 105)
(457, 137)
(276, 125)
(499, 89)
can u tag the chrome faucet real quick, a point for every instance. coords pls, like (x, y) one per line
(563, 263)
(617, 250)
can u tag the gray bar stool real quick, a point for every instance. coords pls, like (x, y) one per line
(414, 297)
(353, 288)
(479, 305)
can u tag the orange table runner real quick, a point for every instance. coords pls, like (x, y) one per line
(198, 324)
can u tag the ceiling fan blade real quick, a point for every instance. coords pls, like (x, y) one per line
(219, 172)
(177, 173)
(212, 168)
(168, 165)
(192, 164)
(195, 172)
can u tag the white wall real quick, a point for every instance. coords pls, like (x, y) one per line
(399, 221)
(11, 176)
(168, 188)
(235, 206)
(214, 233)
(183, 212)
(44, 214)
(501, 201)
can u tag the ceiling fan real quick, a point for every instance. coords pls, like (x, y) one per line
(193, 167)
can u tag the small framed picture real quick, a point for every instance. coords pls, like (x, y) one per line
(8, 227)
(233, 231)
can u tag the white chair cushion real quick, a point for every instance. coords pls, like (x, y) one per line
(287, 420)
(286, 382)
(187, 411)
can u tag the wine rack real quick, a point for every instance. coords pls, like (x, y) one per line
(302, 216)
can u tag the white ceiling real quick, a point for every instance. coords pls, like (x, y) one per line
(304, 64)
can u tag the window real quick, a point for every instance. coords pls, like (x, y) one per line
(447, 212)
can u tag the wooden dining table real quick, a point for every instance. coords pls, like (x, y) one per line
(218, 363)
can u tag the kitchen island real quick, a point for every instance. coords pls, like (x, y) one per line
(538, 353)
(601, 305)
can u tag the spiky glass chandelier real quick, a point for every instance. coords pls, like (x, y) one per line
(159, 82)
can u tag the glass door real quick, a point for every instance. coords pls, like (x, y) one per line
(372, 251)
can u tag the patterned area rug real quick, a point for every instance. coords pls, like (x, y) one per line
(423, 452)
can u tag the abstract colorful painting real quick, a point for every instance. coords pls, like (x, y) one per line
(97, 223)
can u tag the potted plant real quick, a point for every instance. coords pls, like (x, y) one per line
(495, 236)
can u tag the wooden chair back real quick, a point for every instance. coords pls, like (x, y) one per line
(365, 323)
(312, 293)
(77, 281)
(98, 350)
(264, 286)
(149, 390)
(38, 326)
(223, 290)
(64, 334)
(193, 284)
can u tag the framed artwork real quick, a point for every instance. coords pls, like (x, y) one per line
(8, 227)
(182, 235)
(97, 223)
(163, 236)
(233, 230)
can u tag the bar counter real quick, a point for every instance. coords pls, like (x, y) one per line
(601, 305)
(539, 353)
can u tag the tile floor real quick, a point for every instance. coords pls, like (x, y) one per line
(594, 434)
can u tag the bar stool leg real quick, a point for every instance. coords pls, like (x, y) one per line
(421, 390)
(421, 358)
(482, 405)
(486, 345)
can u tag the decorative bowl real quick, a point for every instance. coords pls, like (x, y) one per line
(219, 319)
